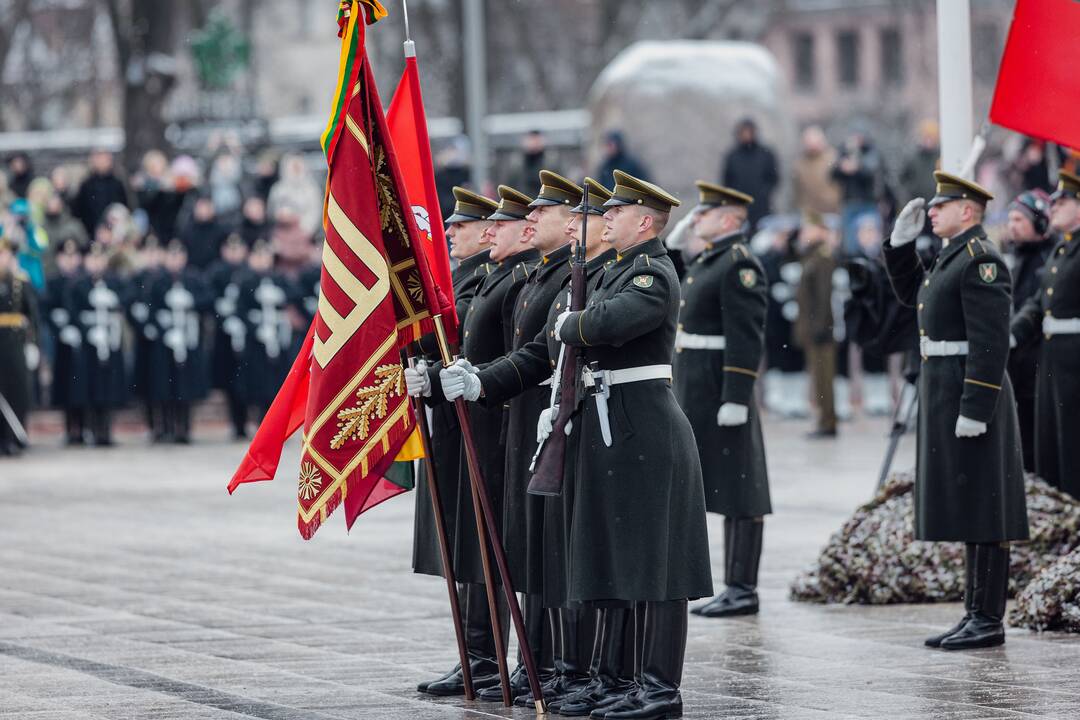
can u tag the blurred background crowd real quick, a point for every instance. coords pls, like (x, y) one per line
(179, 150)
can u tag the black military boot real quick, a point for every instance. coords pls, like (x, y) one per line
(612, 667)
(742, 553)
(991, 589)
(657, 696)
(183, 423)
(73, 424)
(542, 628)
(969, 572)
(102, 427)
(480, 642)
(535, 620)
(575, 636)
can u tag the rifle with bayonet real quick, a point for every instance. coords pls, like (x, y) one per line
(549, 461)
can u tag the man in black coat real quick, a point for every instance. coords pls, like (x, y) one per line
(969, 479)
(751, 168)
(523, 514)
(468, 245)
(1054, 311)
(56, 309)
(718, 350)
(144, 323)
(1029, 246)
(639, 530)
(485, 335)
(98, 191)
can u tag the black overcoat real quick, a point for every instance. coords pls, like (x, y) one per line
(638, 524)
(725, 294)
(99, 373)
(966, 489)
(1057, 389)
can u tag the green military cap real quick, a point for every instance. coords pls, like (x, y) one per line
(470, 207)
(1068, 186)
(713, 195)
(556, 190)
(630, 190)
(953, 187)
(598, 195)
(513, 204)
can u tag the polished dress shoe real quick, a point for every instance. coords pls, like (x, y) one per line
(742, 556)
(990, 589)
(519, 685)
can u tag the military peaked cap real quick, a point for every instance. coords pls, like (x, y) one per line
(556, 190)
(630, 190)
(1068, 186)
(953, 187)
(598, 195)
(713, 195)
(470, 207)
(513, 204)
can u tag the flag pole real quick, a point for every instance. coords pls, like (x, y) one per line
(480, 495)
(444, 545)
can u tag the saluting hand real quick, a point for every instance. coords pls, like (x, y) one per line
(732, 414)
(967, 428)
(417, 382)
(909, 223)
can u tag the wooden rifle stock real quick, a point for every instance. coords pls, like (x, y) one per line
(547, 478)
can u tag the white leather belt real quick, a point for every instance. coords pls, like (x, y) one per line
(626, 375)
(942, 348)
(547, 382)
(691, 341)
(1061, 326)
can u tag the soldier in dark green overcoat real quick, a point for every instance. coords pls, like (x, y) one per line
(969, 483)
(638, 532)
(718, 349)
(465, 231)
(485, 335)
(1054, 314)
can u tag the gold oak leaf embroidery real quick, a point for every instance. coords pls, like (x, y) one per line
(355, 423)
(310, 481)
(389, 210)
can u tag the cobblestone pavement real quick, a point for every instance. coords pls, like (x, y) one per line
(132, 586)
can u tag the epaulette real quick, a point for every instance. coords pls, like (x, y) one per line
(486, 268)
(739, 249)
(524, 271)
(975, 247)
(643, 257)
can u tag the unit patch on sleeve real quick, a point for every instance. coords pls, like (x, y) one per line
(643, 281)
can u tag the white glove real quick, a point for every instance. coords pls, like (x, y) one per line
(546, 424)
(1012, 341)
(909, 223)
(732, 414)
(460, 380)
(559, 322)
(417, 382)
(966, 427)
(33, 357)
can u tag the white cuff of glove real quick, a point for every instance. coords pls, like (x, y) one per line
(909, 223)
(33, 357)
(417, 382)
(460, 381)
(732, 414)
(966, 427)
(559, 321)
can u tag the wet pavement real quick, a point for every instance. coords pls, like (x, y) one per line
(132, 586)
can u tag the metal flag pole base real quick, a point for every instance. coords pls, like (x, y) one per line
(480, 494)
(444, 547)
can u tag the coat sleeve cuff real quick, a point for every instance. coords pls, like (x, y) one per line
(979, 400)
(738, 385)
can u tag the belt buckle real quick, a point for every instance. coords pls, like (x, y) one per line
(599, 380)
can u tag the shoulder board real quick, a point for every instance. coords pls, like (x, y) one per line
(739, 251)
(642, 259)
(608, 264)
(523, 268)
(975, 247)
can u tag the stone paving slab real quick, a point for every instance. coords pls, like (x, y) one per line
(132, 586)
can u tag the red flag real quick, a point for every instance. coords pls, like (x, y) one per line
(1038, 88)
(377, 296)
(408, 129)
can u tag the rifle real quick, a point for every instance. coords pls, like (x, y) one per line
(548, 463)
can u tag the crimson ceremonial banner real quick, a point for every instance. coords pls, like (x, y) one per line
(1038, 86)
(377, 296)
(408, 129)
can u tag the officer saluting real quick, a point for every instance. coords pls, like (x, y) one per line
(465, 230)
(718, 348)
(639, 509)
(969, 483)
(1055, 312)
